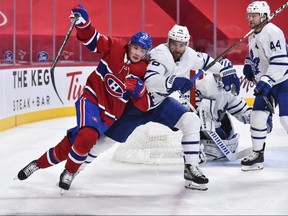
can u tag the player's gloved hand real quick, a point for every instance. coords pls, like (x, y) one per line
(81, 15)
(269, 123)
(175, 83)
(247, 70)
(226, 63)
(264, 86)
(229, 77)
(135, 86)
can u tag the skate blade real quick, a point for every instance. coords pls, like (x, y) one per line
(254, 167)
(62, 191)
(194, 186)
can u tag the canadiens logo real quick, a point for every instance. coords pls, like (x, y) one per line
(114, 85)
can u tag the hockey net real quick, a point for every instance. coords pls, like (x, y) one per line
(154, 143)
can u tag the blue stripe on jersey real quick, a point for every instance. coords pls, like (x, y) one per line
(229, 108)
(278, 56)
(238, 110)
(93, 43)
(278, 63)
(150, 73)
(206, 61)
(269, 78)
(103, 69)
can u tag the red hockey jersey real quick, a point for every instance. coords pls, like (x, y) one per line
(105, 85)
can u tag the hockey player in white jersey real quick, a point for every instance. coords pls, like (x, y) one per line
(215, 106)
(267, 65)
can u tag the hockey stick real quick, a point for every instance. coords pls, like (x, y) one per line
(201, 72)
(58, 56)
(270, 106)
(223, 147)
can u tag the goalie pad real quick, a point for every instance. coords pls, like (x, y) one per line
(206, 108)
(213, 152)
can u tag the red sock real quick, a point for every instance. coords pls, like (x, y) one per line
(84, 141)
(55, 155)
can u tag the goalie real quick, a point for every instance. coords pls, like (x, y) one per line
(215, 107)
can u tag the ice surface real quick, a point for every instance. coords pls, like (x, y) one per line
(108, 187)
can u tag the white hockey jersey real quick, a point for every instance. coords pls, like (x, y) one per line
(225, 101)
(162, 65)
(268, 52)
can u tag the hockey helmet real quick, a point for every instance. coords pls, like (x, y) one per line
(179, 33)
(260, 7)
(142, 39)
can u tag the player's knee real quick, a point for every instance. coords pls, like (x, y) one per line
(257, 118)
(284, 122)
(85, 140)
(189, 123)
(62, 149)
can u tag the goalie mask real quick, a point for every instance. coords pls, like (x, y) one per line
(260, 7)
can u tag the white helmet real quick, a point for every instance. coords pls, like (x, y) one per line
(260, 7)
(179, 33)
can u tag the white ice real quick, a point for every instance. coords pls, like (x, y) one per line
(108, 187)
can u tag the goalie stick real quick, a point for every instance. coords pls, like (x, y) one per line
(223, 147)
(219, 142)
(58, 56)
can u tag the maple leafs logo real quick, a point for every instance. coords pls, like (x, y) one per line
(256, 62)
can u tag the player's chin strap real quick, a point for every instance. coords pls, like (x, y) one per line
(208, 127)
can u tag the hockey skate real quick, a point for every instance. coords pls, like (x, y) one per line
(254, 161)
(194, 177)
(66, 179)
(27, 170)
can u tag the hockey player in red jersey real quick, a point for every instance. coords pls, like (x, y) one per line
(117, 78)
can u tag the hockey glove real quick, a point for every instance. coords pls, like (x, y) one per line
(81, 15)
(226, 63)
(135, 86)
(247, 70)
(174, 83)
(264, 86)
(230, 77)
